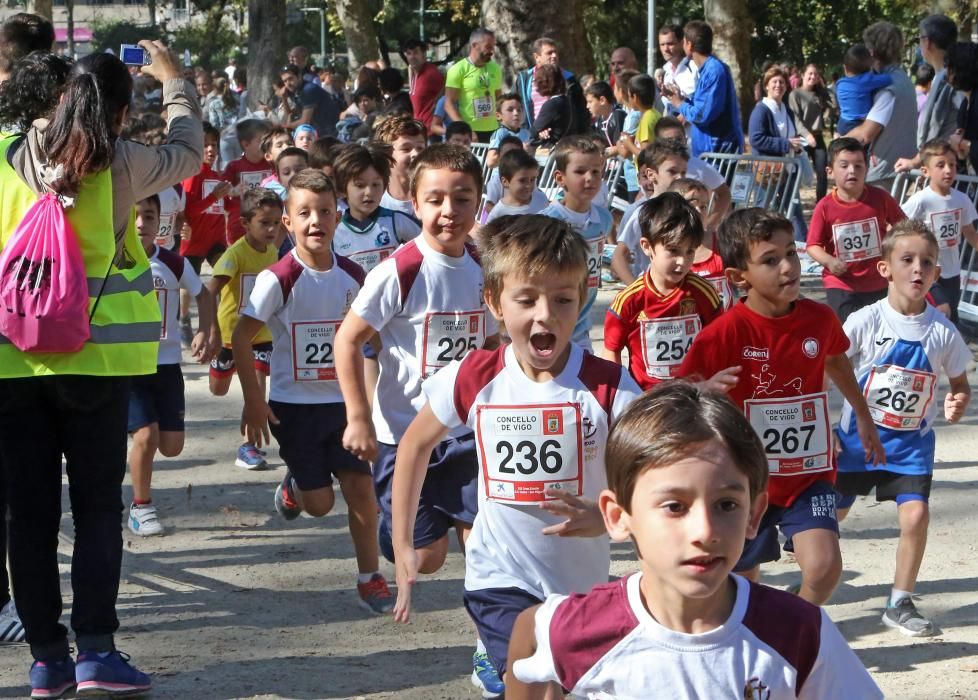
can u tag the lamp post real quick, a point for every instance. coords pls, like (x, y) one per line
(421, 12)
(322, 30)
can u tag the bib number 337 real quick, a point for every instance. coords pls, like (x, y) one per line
(794, 432)
(525, 450)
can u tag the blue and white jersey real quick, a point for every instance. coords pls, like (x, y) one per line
(594, 227)
(369, 242)
(898, 361)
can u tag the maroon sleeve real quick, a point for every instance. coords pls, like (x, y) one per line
(818, 230)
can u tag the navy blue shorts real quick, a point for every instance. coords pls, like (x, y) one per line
(494, 612)
(814, 509)
(157, 398)
(449, 494)
(889, 486)
(310, 442)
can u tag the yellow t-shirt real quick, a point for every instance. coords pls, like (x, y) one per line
(241, 264)
(646, 127)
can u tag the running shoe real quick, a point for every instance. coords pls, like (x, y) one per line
(375, 596)
(52, 679)
(250, 458)
(11, 628)
(108, 674)
(143, 520)
(186, 332)
(904, 617)
(285, 502)
(485, 677)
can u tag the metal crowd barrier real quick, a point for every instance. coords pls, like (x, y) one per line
(905, 186)
(760, 181)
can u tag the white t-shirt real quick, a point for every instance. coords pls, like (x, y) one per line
(405, 206)
(531, 435)
(494, 188)
(697, 169)
(368, 242)
(882, 110)
(171, 273)
(593, 226)
(173, 201)
(538, 202)
(774, 646)
(944, 216)
(303, 309)
(629, 234)
(429, 310)
(785, 126)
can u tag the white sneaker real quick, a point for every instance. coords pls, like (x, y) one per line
(143, 520)
(11, 628)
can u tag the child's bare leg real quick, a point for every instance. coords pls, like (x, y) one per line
(820, 560)
(315, 502)
(914, 517)
(145, 442)
(431, 557)
(219, 385)
(171, 442)
(361, 503)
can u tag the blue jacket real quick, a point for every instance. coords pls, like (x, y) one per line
(713, 111)
(765, 140)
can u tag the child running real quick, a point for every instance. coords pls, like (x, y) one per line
(406, 138)
(247, 172)
(686, 478)
(578, 168)
(518, 172)
(771, 352)
(156, 401)
(541, 408)
(900, 346)
(231, 284)
(303, 299)
(426, 304)
(657, 316)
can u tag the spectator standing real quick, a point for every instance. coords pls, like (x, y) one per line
(473, 85)
(677, 68)
(299, 57)
(622, 58)
(962, 73)
(892, 121)
(545, 53)
(713, 109)
(810, 103)
(425, 81)
(554, 118)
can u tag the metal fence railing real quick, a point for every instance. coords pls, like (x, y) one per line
(760, 181)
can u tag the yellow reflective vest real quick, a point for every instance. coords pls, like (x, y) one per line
(125, 330)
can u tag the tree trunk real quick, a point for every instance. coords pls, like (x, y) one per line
(70, 11)
(732, 27)
(266, 47)
(357, 19)
(151, 8)
(518, 23)
(42, 8)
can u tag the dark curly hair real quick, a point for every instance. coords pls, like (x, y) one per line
(33, 89)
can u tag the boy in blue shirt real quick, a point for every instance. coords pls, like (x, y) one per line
(509, 113)
(855, 91)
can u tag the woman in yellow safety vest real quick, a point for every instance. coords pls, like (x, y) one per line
(74, 405)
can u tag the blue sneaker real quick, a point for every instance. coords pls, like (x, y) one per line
(250, 458)
(108, 675)
(485, 677)
(52, 679)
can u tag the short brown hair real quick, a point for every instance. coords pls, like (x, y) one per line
(668, 424)
(531, 246)
(685, 185)
(254, 200)
(549, 80)
(290, 151)
(266, 140)
(669, 219)
(935, 148)
(905, 229)
(772, 73)
(445, 156)
(578, 143)
(744, 227)
(397, 125)
(660, 150)
(355, 159)
(312, 180)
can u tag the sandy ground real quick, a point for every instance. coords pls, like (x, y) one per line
(235, 602)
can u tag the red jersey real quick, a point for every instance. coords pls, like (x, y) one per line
(853, 232)
(251, 174)
(424, 88)
(205, 214)
(658, 329)
(781, 388)
(712, 270)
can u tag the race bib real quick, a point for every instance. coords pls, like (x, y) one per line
(312, 350)
(369, 259)
(163, 301)
(246, 282)
(524, 450)
(595, 247)
(482, 107)
(794, 432)
(899, 398)
(208, 187)
(252, 180)
(450, 336)
(740, 189)
(164, 237)
(665, 342)
(946, 225)
(857, 240)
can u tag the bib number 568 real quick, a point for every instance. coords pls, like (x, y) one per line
(528, 458)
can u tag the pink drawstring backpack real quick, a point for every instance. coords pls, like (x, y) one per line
(43, 286)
